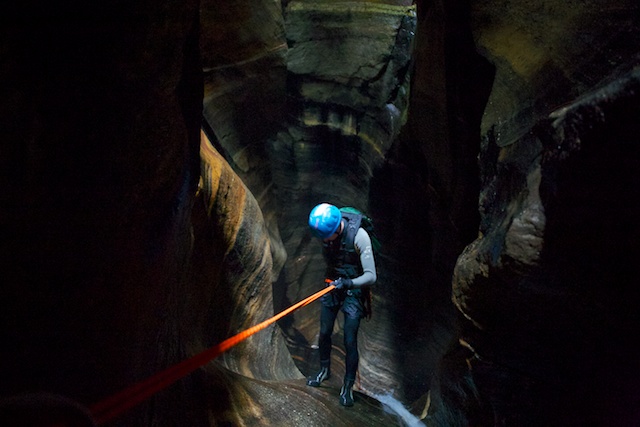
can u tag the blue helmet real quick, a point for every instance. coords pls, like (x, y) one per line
(324, 220)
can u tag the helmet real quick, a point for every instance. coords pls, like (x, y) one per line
(324, 220)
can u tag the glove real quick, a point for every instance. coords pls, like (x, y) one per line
(342, 283)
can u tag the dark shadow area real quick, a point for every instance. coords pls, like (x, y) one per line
(425, 197)
(592, 248)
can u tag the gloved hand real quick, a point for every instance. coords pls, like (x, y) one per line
(342, 283)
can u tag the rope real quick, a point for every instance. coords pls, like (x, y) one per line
(111, 407)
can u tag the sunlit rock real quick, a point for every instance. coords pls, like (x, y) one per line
(243, 49)
(238, 244)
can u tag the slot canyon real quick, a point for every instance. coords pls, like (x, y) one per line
(159, 161)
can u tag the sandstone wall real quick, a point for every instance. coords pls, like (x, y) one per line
(546, 289)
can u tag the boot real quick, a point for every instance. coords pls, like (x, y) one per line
(322, 375)
(346, 394)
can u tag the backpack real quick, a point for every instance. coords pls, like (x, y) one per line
(367, 224)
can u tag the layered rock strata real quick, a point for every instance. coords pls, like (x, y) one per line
(348, 85)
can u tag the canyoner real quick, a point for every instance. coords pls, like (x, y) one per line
(347, 249)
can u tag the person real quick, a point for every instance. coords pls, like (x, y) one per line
(351, 268)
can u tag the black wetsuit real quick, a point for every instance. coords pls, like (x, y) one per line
(349, 256)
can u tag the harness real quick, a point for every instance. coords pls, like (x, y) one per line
(340, 254)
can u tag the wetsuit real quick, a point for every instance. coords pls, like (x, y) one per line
(349, 256)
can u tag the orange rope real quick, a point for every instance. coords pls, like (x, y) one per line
(111, 407)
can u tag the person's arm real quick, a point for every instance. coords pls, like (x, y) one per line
(362, 243)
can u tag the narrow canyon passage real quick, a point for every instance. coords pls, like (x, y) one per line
(159, 161)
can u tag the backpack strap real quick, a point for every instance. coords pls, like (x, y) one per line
(351, 229)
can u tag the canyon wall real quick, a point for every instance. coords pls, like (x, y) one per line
(546, 291)
(159, 161)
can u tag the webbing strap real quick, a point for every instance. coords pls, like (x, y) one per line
(113, 406)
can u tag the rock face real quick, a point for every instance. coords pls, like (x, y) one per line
(348, 84)
(541, 317)
(159, 161)
(547, 290)
(97, 190)
(244, 261)
(243, 50)
(335, 99)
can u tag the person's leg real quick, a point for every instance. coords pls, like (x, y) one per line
(327, 319)
(351, 326)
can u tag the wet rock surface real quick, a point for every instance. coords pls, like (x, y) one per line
(290, 403)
